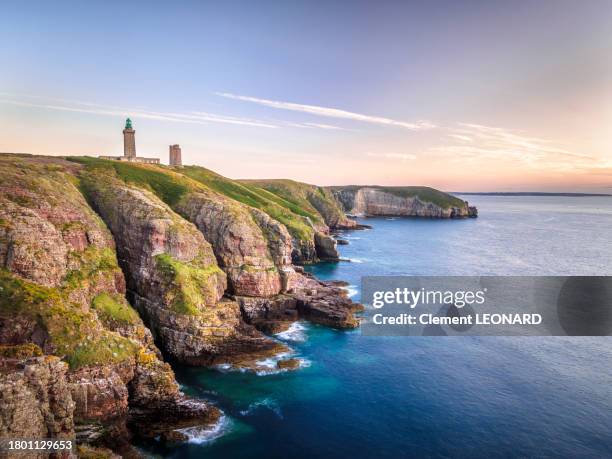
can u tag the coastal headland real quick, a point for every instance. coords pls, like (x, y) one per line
(109, 269)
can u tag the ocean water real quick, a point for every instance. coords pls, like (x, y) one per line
(388, 397)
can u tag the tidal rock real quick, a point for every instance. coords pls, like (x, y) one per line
(326, 247)
(324, 303)
(320, 302)
(288, 364)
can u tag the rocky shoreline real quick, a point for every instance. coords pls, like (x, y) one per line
(107, 268)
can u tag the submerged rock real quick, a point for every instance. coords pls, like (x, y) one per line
(288, 364)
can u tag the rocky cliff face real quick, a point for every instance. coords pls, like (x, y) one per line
(62, 293)
(35, 399)
(173, 277)
(204, 273)
(251, 248)
(380, 201)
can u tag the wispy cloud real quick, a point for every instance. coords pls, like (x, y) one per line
(325, 126)
(401, 156)
(479, 142)
(313, 125)
(329, 112)
(96, 109)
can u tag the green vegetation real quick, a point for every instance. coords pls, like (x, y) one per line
(318, 202)
(167, 185)
(424, 193)
(289, 214)
(74, 333)
(189, 286)
(290, 194)
(114, 310)
(20, 351)
(92, 261)
(107, 348)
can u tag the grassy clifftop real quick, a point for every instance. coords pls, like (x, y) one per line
(317, 201)
(289, 214)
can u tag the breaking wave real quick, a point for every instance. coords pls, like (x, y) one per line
(206, 434)
(267, 403)
(296, 332)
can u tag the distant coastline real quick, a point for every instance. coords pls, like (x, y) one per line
(526, 193)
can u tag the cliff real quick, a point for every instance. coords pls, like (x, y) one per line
(106, 267)
(309, 232)
(62, 294)
(101, 262)
(401, 201)
(319, 202)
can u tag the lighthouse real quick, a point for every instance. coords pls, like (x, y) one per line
(129, 140)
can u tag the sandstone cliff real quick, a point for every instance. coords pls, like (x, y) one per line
(402, 201)
(302, 220)
(62, 293)
(173, 277)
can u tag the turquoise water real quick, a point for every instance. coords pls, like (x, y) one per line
(433, 397)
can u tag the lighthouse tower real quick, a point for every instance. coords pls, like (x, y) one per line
(129, 140)
(129, 148)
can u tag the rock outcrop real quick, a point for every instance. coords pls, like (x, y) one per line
(62, 294)
(318, 203)
(204, 272)
(173, 278)
(402, 201)
(250, 247)
(326, 247)
(35, 399)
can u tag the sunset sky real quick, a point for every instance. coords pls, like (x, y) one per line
(458, 95)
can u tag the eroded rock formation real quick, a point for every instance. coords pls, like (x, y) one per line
(62, 294)
(173, 278)
(403, 202)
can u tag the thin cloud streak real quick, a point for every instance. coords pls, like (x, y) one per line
(196, 117)
(202, 118)
(402, 156)
(328, 112)
(475, 142)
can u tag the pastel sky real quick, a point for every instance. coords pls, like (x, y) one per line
(458, 95)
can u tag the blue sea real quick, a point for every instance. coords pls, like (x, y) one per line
(438, 397)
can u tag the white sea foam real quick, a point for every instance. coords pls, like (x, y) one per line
(296, 332)
(351, 290)
(267, 403)
(269, 366)
(356, 260)
(207, 434)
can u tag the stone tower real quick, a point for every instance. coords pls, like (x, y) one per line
(175, 155)
(129, 140)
